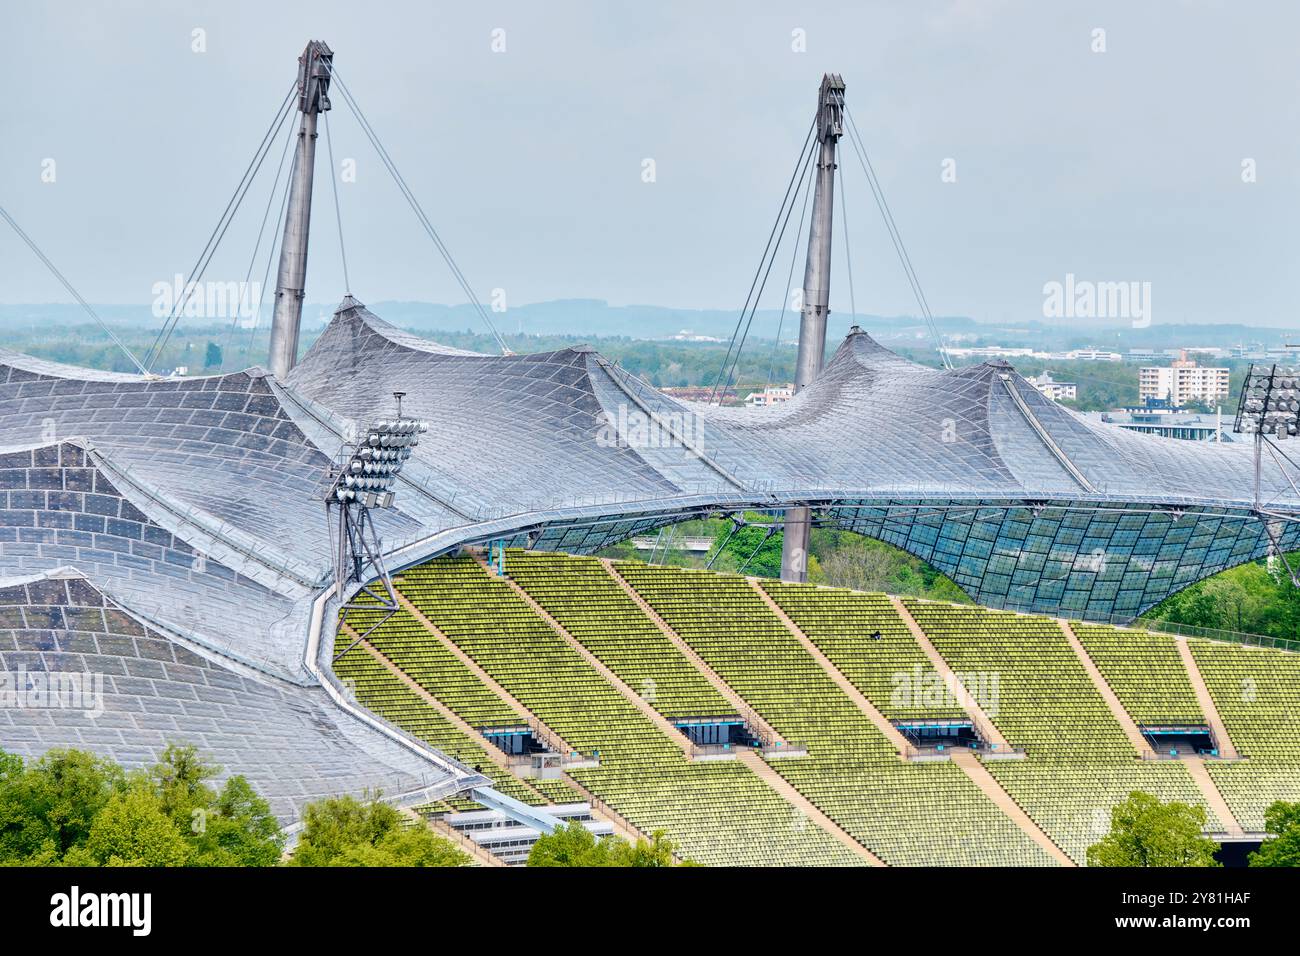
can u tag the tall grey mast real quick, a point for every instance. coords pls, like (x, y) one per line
(816, 297)
(313, 98)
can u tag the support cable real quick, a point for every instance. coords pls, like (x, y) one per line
(271, 250)
(219, 231)
(730, 380)
(261, 230)
(722, 545)
(767, 535)
(800, 162)
(417, 209)
(725, 376)
(1274, 451)
(848, 257)
(338, 216)
(654, 549)
(789, 281)
(31, 244)
(896, 238)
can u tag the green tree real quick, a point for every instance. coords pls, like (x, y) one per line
(180, 781)
(1282, 819)
(755, 552)
(848, 560)
(657, 851)
(1146, 832)
(212, 357)
(133, 829)
(572, 844)
(49, 807)
(407, 846)
(344, 831)
(1247, 598)
(233, 828)
(75, 808)
(238, 829)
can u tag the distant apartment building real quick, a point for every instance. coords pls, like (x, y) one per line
(686, 335)
(1182, 381)
(1052, 388)
(1092, 355)
(1005, 352)
(989, 351)
(771, 395)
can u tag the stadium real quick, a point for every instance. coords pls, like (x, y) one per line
(445, 631)
(755, 722)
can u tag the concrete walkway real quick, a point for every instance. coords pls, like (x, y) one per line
(602, 810)
(983, 723)
(1196, 767)
(495, 755)
(805, 806)
(1117, 710)
(751, 717)
(545, 733)
(635, 699)
(1221, 739)
(868, 709)
(993, 790)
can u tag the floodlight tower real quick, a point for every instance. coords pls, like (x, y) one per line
(1269, 410)
(816, 297)
(359, 482)
(313, 98)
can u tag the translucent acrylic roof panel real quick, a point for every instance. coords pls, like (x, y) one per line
(144, 689)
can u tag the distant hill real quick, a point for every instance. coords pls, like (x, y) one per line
(598, 319)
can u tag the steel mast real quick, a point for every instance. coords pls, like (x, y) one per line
(816, 298)
(313, 98)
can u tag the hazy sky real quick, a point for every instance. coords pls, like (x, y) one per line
(1116, 165)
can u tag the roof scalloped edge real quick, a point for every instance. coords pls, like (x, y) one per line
(64, 370)
(460, 776)
(63, 572)
(215, 653)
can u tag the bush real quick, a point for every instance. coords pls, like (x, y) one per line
(71, 807)
(572, 844)
(1283, 848)
(344, 831)
(1146, 832)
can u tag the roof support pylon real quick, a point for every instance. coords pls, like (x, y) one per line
(816, 298)
(313, 98)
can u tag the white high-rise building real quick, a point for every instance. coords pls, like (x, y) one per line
(1183, 381)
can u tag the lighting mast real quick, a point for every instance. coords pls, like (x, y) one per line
(313, 98)
(816, 298)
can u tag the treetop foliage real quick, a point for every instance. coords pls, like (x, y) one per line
(73, 808)
(572, 844)
(1146, 832)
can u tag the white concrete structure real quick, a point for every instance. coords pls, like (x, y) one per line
(771, 395)
(1183, 381)
(1053, 389)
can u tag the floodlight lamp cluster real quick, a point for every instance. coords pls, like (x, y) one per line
(371, 470)
(1270, 402)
